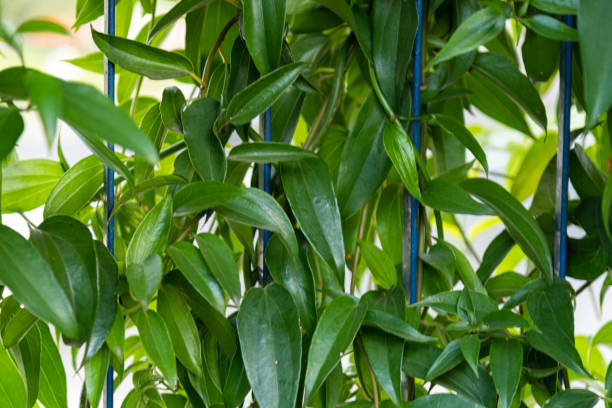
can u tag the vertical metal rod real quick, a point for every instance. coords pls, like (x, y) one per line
(563, 144)
(109, 179)
(413, 214)
(265, 184)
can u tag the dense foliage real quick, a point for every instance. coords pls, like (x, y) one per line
(184, 310)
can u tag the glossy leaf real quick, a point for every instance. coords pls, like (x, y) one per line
(156, 340)
(335, 331)
(76, 188)
(268, 152)
(394, 325)
(264, 22)
(470, 349)
(152, 233)
(520, 224)
(11, 126)
(261, 94)
(144, 278)
(205, 149)
(95, 375)
(201, 196)
(27, 360)
(27, 183)
(444, 195)
(504, 319)
(478, 29)
(557, 6)
(219, 259)
(171, 108)
(458, 130)
(380, 265)
(573, 398)
(182, 328)
(271, 345)
(506, 364)
(446, 361)
(193, 267)
(310, 193)
(550, 27)
(402, 153)
(181, 8)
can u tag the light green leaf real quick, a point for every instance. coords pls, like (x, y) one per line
(272, 366)
(310, 193)
(506, 364)
(27, 359)
(335, 331)
(157, 343)
(261, 94)
(521, 225)
(152, 233)
(142, 59)
(220, 260)
(557, 6)
(380, 265)
(46, 94)
(268, 152)
(12, 388)
(76, 188)
(144, 278)
(264, 22)
(550, 27)
(11, 127)
(402, 153)
(533, 165)
(52, 392)
(27, 183)
(41, 25)
(17, 327)
(478, 29)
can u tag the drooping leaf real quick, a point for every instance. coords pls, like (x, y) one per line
(151, 236)
(27, 183)
(506, 364)
(46, 93)
(550, 27)
(335, 331)
(219, 259)
(470, 349)
(268, 152)
(310, 193)
(181, 8)
(540, 56)
(41, 25)
(171, 108)
(205, 149)
(444, 301)
(478, 29)
(271, 345)
(27, 359)
(395, 326)
(446, 361)
(380, 265)
(261, 94)
(76, 187)
(402, 153)
(11, 126)
(156, 340)
(520, 224)
(142, 59)
(264, 22)
(504, 319)
(95, 375)
(52, 388)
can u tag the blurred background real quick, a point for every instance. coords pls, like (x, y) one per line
(49, 52)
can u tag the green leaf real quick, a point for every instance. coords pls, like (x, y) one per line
(480, 390)
(193, 267)
(92, 62)
(445, 195)
(200, 196)
(540, 56)
(27, 183)
(236, 385)
(11, 126)
(385, 356)
(446, 361)
(575, 398)
(205, 149)
(395, 326)
(144, 278)
(394, 25)
(183, 331)
(272, 366)
(220, 260)
(94, 116)
(506, 364)
(33, 283)
(181, 8)
(458, 130)
(17, 327)
(171, 108)
(52, 389)
(402, 153)
(268, 152)
(12, 388)
(142, 59)
(504, 319)
(116, 336)
(520, 224)
(550, 27)
(389, 217)
(109, 158)
(27, 359)
(310, 193)
(470, 350)
(264, 22)
(444, 401)
(557, 6)
(494, 254)
(505, 75)
(151, 236)
(478, 29)
(335, 331)
(157, 343)
(466, 272)
(364, 163)
(76, 188)
(46, 94)
(444, 301)
(533, 166)
(95, 375)
(41, 25)
(380, 265)
(261, 94)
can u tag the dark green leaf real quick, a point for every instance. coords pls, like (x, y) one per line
(550, 27)
(506, 363)
(273, 365)
(11, 126)
(395, 326)
(268, 152)
(573, 399)
(494, 254)
(310, 193)
(264, 22)
(142, 59)
(461, 379)
(504, 319)
(52, 388)
(444, 301)
(540, 56)
(27, 183)
(171, 108)
(196, 197)
(385, 356)
(478, 29)
(446, 361)
(389, 216)
(458, 130)
(205, 149)
(520, 224)
(181, 8)
(335, 331)
(95, 375)
(444, 195)
(557, 6)
(402, 153)
(156, 340)
(444, 401)
(470, 349)
(152, 233)
(219, 259)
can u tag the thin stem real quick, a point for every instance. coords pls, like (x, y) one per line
(370, 371)
(136, 94)
(213, 51)
(362, 222)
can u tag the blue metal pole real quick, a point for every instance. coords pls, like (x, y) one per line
(109, 180)
(563, 144)
(264, 182)
(416, 140)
